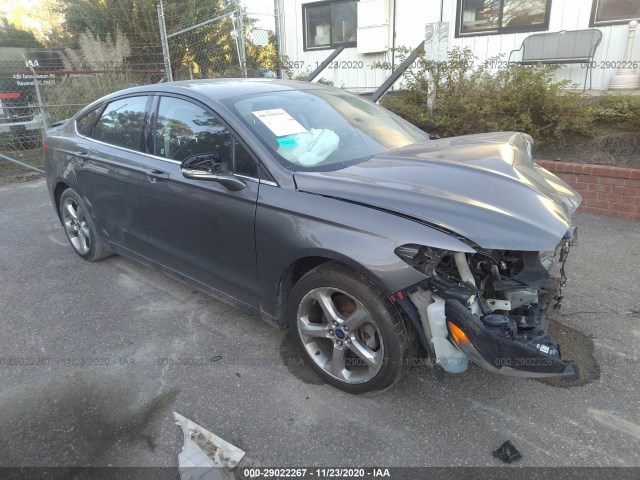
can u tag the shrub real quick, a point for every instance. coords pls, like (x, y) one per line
(463, 99)
(91, 59)
(620, 110)
(302, 76)
(72, 92)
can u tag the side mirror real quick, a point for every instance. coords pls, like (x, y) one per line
(211, 167)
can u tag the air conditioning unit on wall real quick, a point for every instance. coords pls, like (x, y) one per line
(373, 26)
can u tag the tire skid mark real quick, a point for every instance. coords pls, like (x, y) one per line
(615, 423)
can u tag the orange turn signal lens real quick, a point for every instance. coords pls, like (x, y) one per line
(458, 335)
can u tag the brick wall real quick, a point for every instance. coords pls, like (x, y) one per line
(608, 191)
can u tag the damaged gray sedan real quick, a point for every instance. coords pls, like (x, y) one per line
(325, 213)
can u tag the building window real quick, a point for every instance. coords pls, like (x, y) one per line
(329, 24)
(612, 12)
(485, 17)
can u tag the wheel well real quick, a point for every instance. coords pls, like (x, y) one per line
(297, 270)
(57, 194)
(290, 277)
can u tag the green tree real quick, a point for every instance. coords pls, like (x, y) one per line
(263, 56)
(136, 18)
(211, 48)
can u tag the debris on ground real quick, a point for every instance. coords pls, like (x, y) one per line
(205, 455)
(507, 452)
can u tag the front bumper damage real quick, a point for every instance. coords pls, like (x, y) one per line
(533, 354)
(478, 308)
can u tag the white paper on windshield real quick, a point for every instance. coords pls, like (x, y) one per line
(279, 122)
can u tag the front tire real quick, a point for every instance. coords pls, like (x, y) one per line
(80, 228)
(348, 332)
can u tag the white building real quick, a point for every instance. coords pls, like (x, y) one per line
(369, 29)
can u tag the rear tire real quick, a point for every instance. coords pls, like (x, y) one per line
(80, 228)
(348, 331)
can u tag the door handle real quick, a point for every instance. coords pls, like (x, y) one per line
(83, 156)
(155, 175)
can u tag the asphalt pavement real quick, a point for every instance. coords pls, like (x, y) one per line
(106, 352)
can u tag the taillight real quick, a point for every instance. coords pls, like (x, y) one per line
(44, 147)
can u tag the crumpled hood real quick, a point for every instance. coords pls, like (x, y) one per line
(484, 187)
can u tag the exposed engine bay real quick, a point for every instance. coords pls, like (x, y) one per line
(489, 307)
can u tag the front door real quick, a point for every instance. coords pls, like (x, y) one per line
(199, 228)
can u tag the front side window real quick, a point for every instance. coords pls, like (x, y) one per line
(329, 24)
(481, 17)
(611, 12)
(121, 123)
(185, 130)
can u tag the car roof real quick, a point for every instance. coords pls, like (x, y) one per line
(221, 88)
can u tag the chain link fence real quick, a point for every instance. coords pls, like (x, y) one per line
(227, 44)
(22, 118)
(211, 50)
(40, 87)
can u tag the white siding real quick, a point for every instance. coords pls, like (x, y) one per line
(354, 78)
(411, 17)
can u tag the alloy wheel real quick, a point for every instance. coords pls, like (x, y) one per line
(75, 224)
(340, 335)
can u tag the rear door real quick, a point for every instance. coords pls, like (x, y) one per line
(199, 227)
(111, 169)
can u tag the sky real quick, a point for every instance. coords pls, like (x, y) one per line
(34, 15)
(262, 11)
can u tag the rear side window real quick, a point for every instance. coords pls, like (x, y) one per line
(85, 123)
(121, 123)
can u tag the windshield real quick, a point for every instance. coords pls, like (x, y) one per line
(322, 129)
